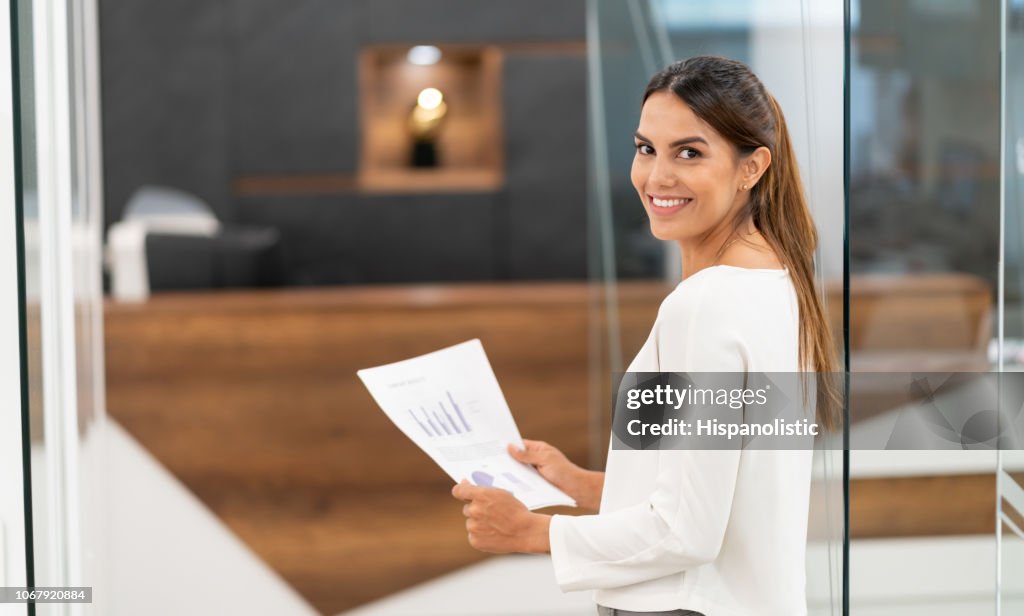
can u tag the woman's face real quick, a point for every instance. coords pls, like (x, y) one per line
(687, 175)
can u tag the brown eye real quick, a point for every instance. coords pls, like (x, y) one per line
(644, 149)
(688, 153)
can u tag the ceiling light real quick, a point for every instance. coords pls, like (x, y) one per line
(424, 55)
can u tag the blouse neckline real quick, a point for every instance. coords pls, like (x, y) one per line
(753, 270)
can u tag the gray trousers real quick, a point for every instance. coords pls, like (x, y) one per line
(608, 611)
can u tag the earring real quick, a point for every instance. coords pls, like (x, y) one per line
(744, 187)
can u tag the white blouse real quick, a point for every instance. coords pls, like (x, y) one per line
(719, 532)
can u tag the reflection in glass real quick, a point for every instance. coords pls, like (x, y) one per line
(61, 203)
(924, 255)
(924, 184)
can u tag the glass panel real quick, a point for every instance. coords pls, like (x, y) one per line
(1010, 468)
(796, 48)
(15, 523)
(1010, 532)
(924, 251)
(86, 277)
(258, 144)
(60, 181)
(32, 256)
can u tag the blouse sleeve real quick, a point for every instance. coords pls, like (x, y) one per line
(682, 524)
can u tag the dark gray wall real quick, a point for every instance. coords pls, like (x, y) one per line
(198, 92)
(164, 69)
(546, 150)
(293, 87)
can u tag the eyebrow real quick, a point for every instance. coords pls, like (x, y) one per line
(677, 142)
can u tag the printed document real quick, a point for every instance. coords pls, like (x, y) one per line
(449, 403)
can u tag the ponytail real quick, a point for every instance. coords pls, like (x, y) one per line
(780, 213)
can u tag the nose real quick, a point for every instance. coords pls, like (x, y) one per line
(662, 173)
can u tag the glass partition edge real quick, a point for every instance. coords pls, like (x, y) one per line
(16, 566)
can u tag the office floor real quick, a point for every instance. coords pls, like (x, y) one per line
(889, 577)
(165, 553)
(515, 585)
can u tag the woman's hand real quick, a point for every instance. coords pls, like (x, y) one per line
(497, 522)
(583, 486)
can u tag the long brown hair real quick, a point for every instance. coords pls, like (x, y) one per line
(727, 95)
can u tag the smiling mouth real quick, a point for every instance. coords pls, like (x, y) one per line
(668, 202)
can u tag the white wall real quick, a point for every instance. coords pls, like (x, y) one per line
(797, 51)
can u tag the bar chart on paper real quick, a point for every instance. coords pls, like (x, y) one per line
(444, 421)
(449, 404)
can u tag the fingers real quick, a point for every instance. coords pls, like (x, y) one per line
(466, 491)
(533, 452)
(487, 515)
(480, 542)
(517, 454)
(531, 445)
(477, 527)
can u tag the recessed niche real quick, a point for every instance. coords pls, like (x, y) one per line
(405, 144)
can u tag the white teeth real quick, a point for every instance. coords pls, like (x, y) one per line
(669, 202)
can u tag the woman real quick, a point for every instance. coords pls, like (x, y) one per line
(719, 533)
